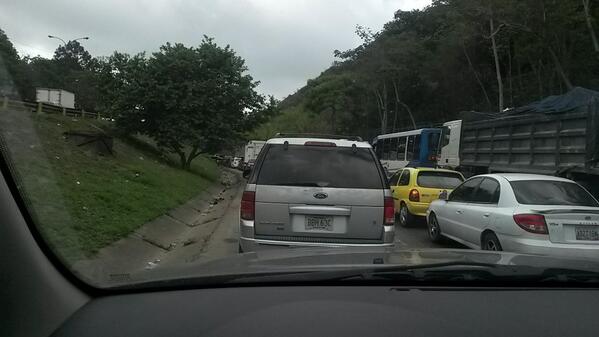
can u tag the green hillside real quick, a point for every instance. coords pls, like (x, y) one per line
(425, 66)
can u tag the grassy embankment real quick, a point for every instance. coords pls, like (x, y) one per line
(82, 201)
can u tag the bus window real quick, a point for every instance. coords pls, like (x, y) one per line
(433, 144)
(416, 154)
(378, 148)
(410, 148)
(446, 132)
(401, 149)
(393, 149)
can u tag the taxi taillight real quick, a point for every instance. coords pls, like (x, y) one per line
(414, 195)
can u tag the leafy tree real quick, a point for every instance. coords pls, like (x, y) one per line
(189, 100)
(72, 56)
(13, 79)
(426, 66)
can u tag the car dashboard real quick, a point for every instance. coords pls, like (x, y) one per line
(339, 311)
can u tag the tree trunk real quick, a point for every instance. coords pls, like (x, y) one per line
(333, 119)
(480, 83)
(382, 110)
(497, 66)
(559, 69)
(519, 68)
(409, 112)
(397, 100)
(587, 14)
(510, 77)
(540, 79)
(193, 154)
(182, 159)
(537, 73)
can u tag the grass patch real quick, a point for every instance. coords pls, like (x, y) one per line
(82, 201)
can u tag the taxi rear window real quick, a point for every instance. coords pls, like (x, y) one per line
(432, 179)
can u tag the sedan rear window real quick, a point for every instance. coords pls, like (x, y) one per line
(339, 167)
(548, 192)
(433, 179)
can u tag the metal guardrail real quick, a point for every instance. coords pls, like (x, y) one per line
(45, 108)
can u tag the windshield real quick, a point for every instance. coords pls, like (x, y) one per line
(439, 179)
(155, 141)
(547, 192)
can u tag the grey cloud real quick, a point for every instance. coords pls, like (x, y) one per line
(284, 42)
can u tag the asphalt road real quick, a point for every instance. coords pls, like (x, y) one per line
(416, 236)
(223, 241)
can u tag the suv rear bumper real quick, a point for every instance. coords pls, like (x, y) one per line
(546, 247)
(250, 244)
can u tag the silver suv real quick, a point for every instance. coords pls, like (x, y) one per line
(316, 191)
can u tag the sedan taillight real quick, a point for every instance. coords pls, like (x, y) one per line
(389, 211)
(248, 205)
(533, 223)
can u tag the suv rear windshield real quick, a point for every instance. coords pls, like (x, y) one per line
(547, 192)
(434, 179)
(301, 165)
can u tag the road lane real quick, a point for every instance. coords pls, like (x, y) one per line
(416, 236)
(224, 241)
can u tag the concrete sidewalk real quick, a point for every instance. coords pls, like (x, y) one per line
(185, 228)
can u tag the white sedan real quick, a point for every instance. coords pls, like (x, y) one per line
(521, 213)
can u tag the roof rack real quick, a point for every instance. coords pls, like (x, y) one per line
(316, 135)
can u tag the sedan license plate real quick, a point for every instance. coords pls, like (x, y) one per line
(587, 233)
(319, 223)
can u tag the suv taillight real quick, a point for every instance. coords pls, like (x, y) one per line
(389, 211)
(248, 202)
(533, 223)
(414, 195)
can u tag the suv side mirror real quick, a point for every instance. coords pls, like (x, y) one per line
(246, 172)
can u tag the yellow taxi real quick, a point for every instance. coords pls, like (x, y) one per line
(415, 188)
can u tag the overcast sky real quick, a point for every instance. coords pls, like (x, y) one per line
(283, 42)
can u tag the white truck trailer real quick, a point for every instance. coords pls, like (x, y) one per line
(57, 97)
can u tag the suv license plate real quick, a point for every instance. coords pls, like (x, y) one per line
(587, 233)
(319, 223)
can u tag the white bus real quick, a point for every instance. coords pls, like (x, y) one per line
(414, 148)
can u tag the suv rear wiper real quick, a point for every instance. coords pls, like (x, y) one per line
(309, 184)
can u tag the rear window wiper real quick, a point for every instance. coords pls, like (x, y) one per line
(303, 184)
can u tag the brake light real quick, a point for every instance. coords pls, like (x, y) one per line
(312, 143)
(414, 195)
(248, 208)
(389, 211)
(533, 223)
(432, 158)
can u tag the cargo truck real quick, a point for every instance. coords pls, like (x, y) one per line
(57, 97)
(252, 149)
(555, 136)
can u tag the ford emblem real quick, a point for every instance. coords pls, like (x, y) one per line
(320, 195)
